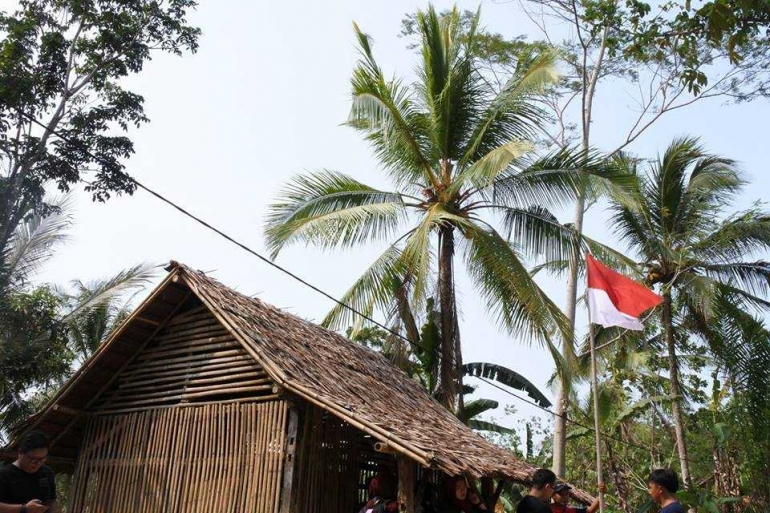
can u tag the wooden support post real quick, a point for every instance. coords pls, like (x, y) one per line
(406, 482)
(289, 464)
(496, 495)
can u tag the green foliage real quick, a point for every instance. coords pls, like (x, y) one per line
(700, 31)
(506, 377)
(34, 350)
(61, 64)
(419, 360)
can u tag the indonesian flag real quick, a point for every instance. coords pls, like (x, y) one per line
(614, 299)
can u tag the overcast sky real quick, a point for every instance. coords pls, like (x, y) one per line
(262, 100)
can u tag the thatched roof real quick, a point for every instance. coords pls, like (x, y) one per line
(354, 383)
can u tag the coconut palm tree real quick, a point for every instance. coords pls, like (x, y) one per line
(692, 251)
(457, 152)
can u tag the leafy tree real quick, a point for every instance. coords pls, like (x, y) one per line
(92, 310)
(705, 33)
(454, 147)
(61, 63)
(694, 255)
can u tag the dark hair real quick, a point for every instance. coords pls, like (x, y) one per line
(33, 440)
(666, 478)
(542, 477)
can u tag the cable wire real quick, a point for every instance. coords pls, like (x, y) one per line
(325, 294)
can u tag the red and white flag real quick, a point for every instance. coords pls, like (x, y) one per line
(614, 299)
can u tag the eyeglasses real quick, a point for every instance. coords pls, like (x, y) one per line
(36, 460)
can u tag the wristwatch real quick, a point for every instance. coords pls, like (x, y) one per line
(23, 508)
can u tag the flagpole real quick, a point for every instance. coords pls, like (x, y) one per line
(598, 436)
(611, 308)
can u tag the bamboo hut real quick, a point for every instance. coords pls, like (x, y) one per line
(208, 400)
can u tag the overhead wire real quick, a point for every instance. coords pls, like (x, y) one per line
(323, 293)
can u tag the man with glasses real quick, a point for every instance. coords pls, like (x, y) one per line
(27, 485)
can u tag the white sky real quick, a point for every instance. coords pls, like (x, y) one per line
(263, 99)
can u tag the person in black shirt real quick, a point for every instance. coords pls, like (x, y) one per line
(27, 485)
(663, 485)
(543, 483)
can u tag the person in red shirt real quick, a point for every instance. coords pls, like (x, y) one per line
(560, 499)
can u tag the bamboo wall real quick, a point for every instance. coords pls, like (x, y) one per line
(335, 461)
(208, 458)
(192, 359)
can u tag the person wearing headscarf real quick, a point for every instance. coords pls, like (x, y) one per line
(460, 498)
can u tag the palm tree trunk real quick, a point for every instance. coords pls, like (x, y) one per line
(676, 390)
(448, 307)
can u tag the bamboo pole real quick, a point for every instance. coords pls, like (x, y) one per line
(117, 411)
(262, 419)
(278, 459)
(253, 456)
(174, 492)
(134, 371)
(188, 347)
(218, 369)
(152, 454)
(597, 426)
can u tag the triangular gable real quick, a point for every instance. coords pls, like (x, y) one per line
(171, 350)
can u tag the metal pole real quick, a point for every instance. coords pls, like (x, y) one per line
(598, 437)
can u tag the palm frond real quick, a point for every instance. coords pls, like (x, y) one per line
(512, 296)
(484, 172)
(538, 232)
(329, 209)
(752, 277)
(512, 115)
(418, 252)
(483, 425)
(385, 111)
(34, 241)
(371, 291)
(689, 186)
(450, 87)
(640, 406)
(477, 407)
(555, 179)
(578, 432)
(507, 377)
(738, 236)
(98, 294)
(556, 268)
